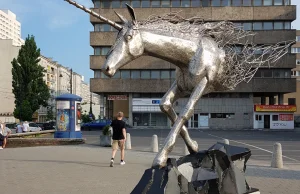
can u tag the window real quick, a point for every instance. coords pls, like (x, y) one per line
(97, 3)
(155, 74)
(105, 27)
(173, 74)
(97, 74)
(278, 25)
(105, 3)
(268, 25)
(145, 74)
(175, 3)
(205, 3)
(165, 3)
(258, 73)
(145, 3)
(236, 2)
(292, 101)
(274, 117)
(124, 3)
(135, 3)
(97, 27)
(135, 74)
(103, 76)
(247, 26)
(257, 3)
(267, 2)
(216, 3)
(185, 3)
(125, 74)
(247, 3)
(287, 2)
(258, 117)
(115, 4)
(196, 3)
(155, 3)
(222, 115)
(277, 2)
(117, 75)
(165, 74)
(287, 25)
(105, 50)
(97, 50)
(268, 73)
(257, 25)
(296, 50)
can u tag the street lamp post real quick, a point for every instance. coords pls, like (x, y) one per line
(20, 110)
(71, 82)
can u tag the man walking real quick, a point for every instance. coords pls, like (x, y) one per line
(119, 138)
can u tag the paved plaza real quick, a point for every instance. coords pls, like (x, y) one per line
(85, 168)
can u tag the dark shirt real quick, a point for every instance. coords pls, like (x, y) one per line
(117, 126)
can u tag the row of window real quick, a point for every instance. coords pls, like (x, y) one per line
(222, 115)
(269, 25)
(186, 3)
(210, 95)
(138, 74)
(273, 73)
(295, 50)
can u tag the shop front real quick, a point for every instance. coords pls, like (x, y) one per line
(274, 116)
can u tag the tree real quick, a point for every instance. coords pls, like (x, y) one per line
(28, 84)
(50, 113)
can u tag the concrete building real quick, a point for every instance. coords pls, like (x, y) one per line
(138, 87)
(7, 53)
(10, 28)
(90, 99)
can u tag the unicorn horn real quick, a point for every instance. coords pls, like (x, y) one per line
(113, 24)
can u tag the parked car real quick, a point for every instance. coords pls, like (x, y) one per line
(46, 126)
(33, 127)
(96, 125)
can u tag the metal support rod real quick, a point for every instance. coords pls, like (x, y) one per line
(71, 81)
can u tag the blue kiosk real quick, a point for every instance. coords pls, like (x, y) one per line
(68, 116)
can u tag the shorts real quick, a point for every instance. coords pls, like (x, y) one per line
(118, 144)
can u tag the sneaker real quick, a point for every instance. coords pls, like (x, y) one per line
(1, 148)
(112, 163)
(122, 163)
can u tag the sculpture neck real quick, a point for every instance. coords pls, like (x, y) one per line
(174, 50)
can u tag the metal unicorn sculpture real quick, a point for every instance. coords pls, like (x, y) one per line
(205, 55)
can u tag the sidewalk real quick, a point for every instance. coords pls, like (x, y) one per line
(85, 169)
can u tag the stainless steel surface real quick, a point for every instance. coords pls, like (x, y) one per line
(205, 55)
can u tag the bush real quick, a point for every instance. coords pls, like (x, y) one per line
(105, 130)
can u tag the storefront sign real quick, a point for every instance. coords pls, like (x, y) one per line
(145, 101)
(275, 108)
(117, 97)
(286, 117)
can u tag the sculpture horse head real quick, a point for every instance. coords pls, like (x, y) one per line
(128, 45)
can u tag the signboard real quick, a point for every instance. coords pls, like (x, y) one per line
(63, 105)
(117, 97)
(286, 117)
(275, 108)
(145, 101)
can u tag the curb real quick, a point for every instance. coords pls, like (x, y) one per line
(33, 142)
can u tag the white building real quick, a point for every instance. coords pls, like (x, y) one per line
(10, 28)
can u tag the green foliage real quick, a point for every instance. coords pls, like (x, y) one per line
(24, 111)
(85, 118)
(105, 130)
(28, 84)
(50, 113)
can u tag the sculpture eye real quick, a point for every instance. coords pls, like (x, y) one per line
(129, 37)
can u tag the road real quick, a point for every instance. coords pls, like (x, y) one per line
(260, 142)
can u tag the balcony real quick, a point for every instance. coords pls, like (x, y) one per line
(207, 13)
(256, 85)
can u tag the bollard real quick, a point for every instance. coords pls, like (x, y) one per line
(128, 142)
(154, 144)
(186, 151)
(277, 156)
(226, 141)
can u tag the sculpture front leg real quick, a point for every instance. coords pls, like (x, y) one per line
(166, 107)
(161, 158)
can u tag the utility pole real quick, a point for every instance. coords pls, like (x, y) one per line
(71, 81)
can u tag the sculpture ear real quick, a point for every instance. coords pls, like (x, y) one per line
(122, 18)
(131, 12)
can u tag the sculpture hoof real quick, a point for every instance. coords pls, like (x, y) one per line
(159, 161)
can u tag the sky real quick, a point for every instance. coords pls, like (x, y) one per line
(62, 31)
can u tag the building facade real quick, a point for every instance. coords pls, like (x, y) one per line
(7, 53)
(139, 86)
(10, 28)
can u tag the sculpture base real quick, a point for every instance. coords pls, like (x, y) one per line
(217, 170)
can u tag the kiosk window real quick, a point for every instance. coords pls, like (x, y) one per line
(275, 117)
